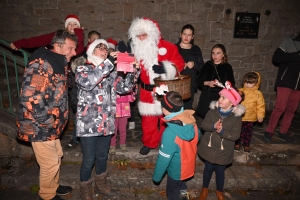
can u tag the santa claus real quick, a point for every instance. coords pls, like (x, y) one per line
(158, 58)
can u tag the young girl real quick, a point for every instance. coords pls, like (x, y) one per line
(218, 69)
(255, 108)
(122, 114)
(222, 126)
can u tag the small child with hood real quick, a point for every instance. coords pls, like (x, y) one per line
(222, 126)
(255, 109)
(178, 150)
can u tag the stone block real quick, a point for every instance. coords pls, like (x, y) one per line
(113, 16)
(217, 7)
(68, 5)
(202, 16)
(183, 6)
(52, 13)
(197, 6)
(190, 17)
(236, 50)
(260, 49)
(213, 16)
(28, 10)
(87, 8)
(174, 17)
(38, 12)
(215, 35)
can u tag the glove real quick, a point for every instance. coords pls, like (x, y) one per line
(159, 69)
(122, 47)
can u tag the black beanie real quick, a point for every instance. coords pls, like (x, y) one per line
(169, 106)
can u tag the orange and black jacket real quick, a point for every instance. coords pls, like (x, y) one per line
(178, 150)
(43, 106)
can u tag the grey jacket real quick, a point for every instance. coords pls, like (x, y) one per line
(97, 88)
(216, 148)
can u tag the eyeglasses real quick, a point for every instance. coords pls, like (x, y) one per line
(100, 46)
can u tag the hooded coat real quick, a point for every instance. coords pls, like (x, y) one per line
(216, 148)
(177, 153)
(253, 102)
(43, 107)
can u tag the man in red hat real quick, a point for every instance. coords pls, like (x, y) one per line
(157, 57)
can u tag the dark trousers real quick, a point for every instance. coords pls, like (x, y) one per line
(246, 134)
(220, 175)
(94, 148)
(174, 187)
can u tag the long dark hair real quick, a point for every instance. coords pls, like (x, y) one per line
(187, 26)
(222, 47)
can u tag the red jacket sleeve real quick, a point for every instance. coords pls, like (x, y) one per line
(33, 42)
(80, 38)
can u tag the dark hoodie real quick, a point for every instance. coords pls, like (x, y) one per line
(43, 107)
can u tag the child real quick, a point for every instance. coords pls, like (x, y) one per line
(222, 126)
(177, 153)
(255, 108)
(122, 115)
(72, 25)
(112, 44)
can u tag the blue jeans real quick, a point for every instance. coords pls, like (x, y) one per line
(94, 148)
(220, 175)
(173, 188)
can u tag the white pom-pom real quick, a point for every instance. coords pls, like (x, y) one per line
(162, 51)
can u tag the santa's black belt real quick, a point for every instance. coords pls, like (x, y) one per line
(148, 87)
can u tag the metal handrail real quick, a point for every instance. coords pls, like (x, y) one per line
(18, 61)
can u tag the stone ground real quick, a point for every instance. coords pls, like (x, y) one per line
(271, 170)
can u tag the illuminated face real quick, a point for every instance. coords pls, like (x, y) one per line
(224, 103)
(249, 85)
(142, 36)
(186, 36)
(101, 51)
(67, 49)
(217, 55)
(71, 26)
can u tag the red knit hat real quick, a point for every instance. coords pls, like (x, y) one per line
(112, 43)
(72, 18)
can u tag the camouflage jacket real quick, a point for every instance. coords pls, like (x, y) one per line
(97, 88)
(43, 106)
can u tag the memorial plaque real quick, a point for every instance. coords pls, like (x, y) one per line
(246, 25)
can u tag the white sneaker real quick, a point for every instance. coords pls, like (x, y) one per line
(131, 125)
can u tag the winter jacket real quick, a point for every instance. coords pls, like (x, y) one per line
(45, 40)
(218, 148)
(123, 105)
(177, 153)
(253, 102)
(287, 59)
(97, 88)
(43, 107)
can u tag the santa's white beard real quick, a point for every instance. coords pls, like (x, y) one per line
(146, 51)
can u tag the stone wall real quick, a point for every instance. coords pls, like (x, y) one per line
(112, 18)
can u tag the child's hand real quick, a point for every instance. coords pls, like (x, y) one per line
(260, 120)
(220, 128)
(217, 124)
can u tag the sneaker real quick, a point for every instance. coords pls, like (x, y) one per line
(63, 190)
(123, 147)
(247, 149)
(237, 147)
(184, 195)
(268, 136)
(286, 137)
(131, 125)
(112, 150)
(144, 150)
(56, 197)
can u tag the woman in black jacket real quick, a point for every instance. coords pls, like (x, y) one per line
(192, 57)
(216, 69)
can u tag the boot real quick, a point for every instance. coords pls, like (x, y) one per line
(203, 194)
(86, 190)
(220, 195)
(101, 184)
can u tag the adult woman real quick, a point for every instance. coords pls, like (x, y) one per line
(192, 57)
(72, 25)
(215, 69)
(98, 83)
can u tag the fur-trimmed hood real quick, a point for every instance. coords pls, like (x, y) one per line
(77, 62)
(238, 110)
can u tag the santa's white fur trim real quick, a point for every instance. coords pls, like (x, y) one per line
(170, 71)
(162, 51)
(140, 25)
(152, 109)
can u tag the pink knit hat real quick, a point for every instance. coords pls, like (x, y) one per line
(72, 18)
(232, 95)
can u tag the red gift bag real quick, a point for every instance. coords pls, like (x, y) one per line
(124, 62)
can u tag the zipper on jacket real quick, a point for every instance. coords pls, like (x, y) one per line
(297, 81)
(284, 73)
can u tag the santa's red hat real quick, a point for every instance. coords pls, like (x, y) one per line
(72, 18)
(112, 43)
